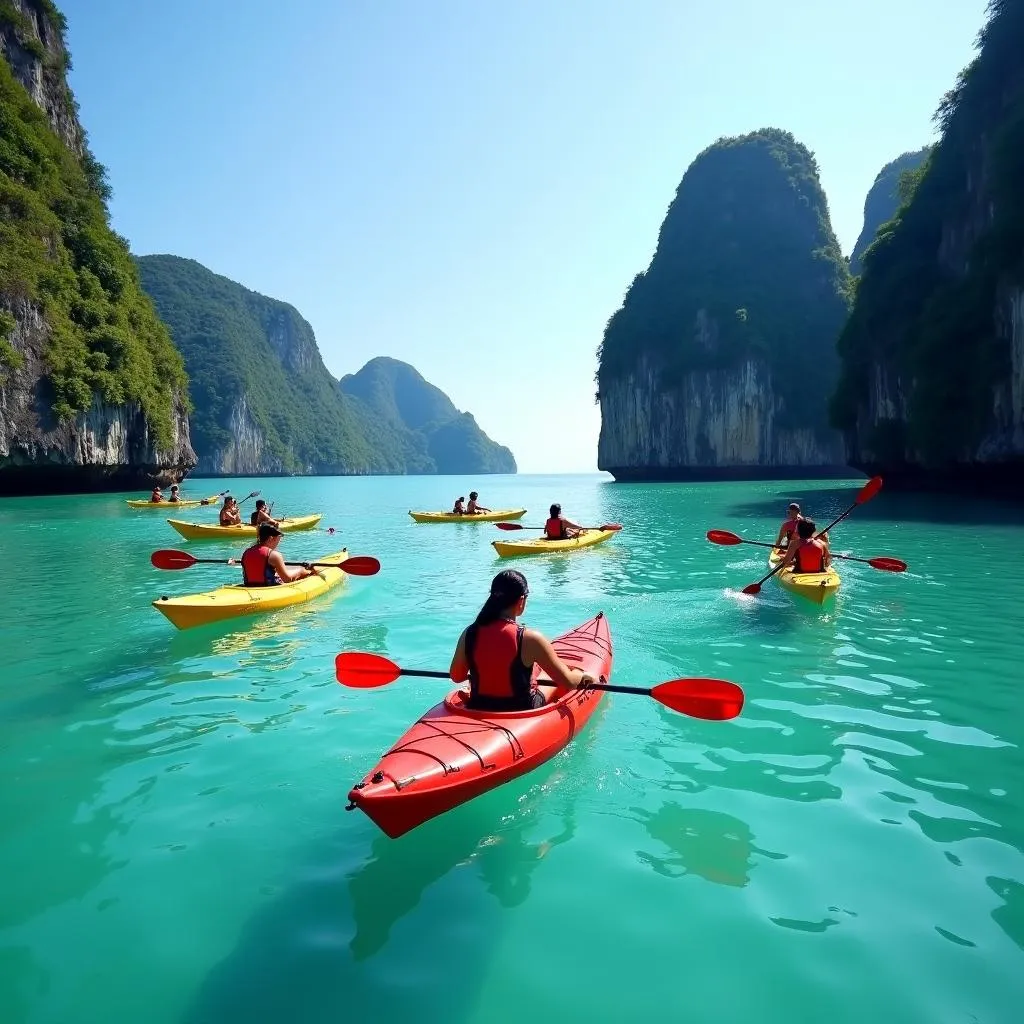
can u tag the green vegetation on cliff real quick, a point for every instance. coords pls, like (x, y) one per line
(58, 252)
(245, 350)
(747, 266)
(927, 300)
(395, 393)
(885, 197)
(240, 345)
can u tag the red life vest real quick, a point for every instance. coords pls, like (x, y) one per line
(154, 497)
(810, 557)
(498, 679)
(256, 568)
(554, 529)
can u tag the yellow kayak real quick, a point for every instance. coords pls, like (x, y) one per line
(202, 531)
(173, 504)
(480, 517)
(236, 600)
(815, 586)
(541, 545)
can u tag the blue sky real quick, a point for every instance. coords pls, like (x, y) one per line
(470, 185)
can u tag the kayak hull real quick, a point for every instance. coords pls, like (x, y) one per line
(236, 601)
(813, 586)
(453, 754)
(144, 503)
(207, 531)
(541, 546)
(482, 517)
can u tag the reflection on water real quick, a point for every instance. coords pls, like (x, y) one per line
(712, 844)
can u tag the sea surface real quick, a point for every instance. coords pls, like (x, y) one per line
(176, 849)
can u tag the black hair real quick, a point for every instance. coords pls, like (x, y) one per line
(473, 495)
(260, 503)
(805, 528)
(555, 511)
(793, 504)
(506, 588)
(266, 531)
(462, 497)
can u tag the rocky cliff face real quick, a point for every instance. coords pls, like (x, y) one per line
(720, 360)
(932, 385)
(883, 200)
(717, 424)
(90, 386)
(107, 447)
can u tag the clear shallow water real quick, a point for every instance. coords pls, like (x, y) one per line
(175, 847)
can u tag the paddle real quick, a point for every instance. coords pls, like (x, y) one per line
(251, 494)
(519, 526)
(210, 501)
(711, 699)
(358, 565)
(880, 562)
(866, 493)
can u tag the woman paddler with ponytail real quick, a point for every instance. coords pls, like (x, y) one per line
(498, 656)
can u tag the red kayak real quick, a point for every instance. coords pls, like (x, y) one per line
(453, 754)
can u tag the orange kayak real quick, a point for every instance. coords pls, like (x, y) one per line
(453, 754)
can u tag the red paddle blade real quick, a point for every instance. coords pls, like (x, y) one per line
(364, 671)
(509, 526)
(752, 588)
(723, 537)
(611, 526)
(888, 564)
(869, 490)
(168, 559)
(361, 565)
(712, 699)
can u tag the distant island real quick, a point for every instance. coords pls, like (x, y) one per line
(263, 403)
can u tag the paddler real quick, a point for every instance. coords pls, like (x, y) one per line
(788, 526)
(260, 515)
(230, 515)
(157, 496)
(497, 655)
(558, 527)
(807, 553)
(473, 508)
(459, 509)
(174, 493)
(263, 565)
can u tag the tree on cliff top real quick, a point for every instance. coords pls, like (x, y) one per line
(927, 299)
(884, 198)
(57, 252)
(747, 266)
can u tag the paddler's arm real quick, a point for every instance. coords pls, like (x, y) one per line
(538, 650)
(284, 574)
(459, 671)
(790, 555)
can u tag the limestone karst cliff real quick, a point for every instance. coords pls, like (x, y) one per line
(722, 356)
(932, 385)
(92, 392)
(884, 199)
(264, 403)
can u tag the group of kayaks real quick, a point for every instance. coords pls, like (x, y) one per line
(235, 600)
(452, 753)
(512, 548)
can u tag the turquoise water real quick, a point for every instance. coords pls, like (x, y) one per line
(175, 843)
